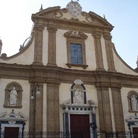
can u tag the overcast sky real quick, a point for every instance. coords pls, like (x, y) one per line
(16, 23)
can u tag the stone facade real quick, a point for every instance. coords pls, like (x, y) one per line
(105, 78)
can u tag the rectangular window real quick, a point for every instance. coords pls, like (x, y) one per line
(76, 53)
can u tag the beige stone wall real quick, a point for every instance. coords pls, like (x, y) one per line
(25, 58)
(25, 98)
(124, 94)
(65, 94)
(121, 66)
(61, 51)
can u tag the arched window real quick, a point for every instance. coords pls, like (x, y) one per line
(133, 101)
(78, 93)
(13, 95)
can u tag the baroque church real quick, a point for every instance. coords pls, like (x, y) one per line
(67, 77)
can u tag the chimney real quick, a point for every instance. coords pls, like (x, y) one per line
(0, 46)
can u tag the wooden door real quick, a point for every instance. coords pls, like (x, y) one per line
(135, 132)
(79, 126)
(11, 132)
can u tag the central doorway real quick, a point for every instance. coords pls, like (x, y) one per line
(11, 132)
(135, 132)
(79, 126)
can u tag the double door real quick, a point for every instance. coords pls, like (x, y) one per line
(79, 126)
(11, 132)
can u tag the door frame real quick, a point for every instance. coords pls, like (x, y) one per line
(90, 120)
(79, 110)
(3, 126)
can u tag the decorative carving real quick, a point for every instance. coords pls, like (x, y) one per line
(74, 8)
(97, 35)
(38, 27)
(88, 17)
(107, 36)
(58, 14)
(78, 81)
(51, 29)
(77, 99)
(75, 34)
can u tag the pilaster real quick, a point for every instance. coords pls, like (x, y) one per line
(51, 45)
(53, 122)
(118, 109)
(98, 50)
(104, 109)
(109, 52)
(38, 44)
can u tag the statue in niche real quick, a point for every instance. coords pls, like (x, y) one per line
(78, 97)
(13, 97)
(134, 102)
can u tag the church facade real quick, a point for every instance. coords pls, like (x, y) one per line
(68, 77)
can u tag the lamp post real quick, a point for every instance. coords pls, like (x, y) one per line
(35, 91)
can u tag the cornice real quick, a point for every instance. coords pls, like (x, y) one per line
(68, 24)
(59, 75)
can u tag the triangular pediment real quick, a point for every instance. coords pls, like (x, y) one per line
(49, 12)
(12, 116)
(90, 18)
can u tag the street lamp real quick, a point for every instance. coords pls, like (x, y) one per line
(35, 91)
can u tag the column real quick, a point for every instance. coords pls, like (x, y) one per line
(104, 109)
(38, 44)
(109, 52)
(53, 122)
(118, 109)
(51, 46)
(98, 50)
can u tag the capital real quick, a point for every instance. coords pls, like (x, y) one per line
(107, 36)
(51, 29)
(97, 35)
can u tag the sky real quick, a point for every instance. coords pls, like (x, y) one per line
(16, 23)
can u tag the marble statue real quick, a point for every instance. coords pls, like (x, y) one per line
(13, 97)
(134, 102)
(78, 97)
